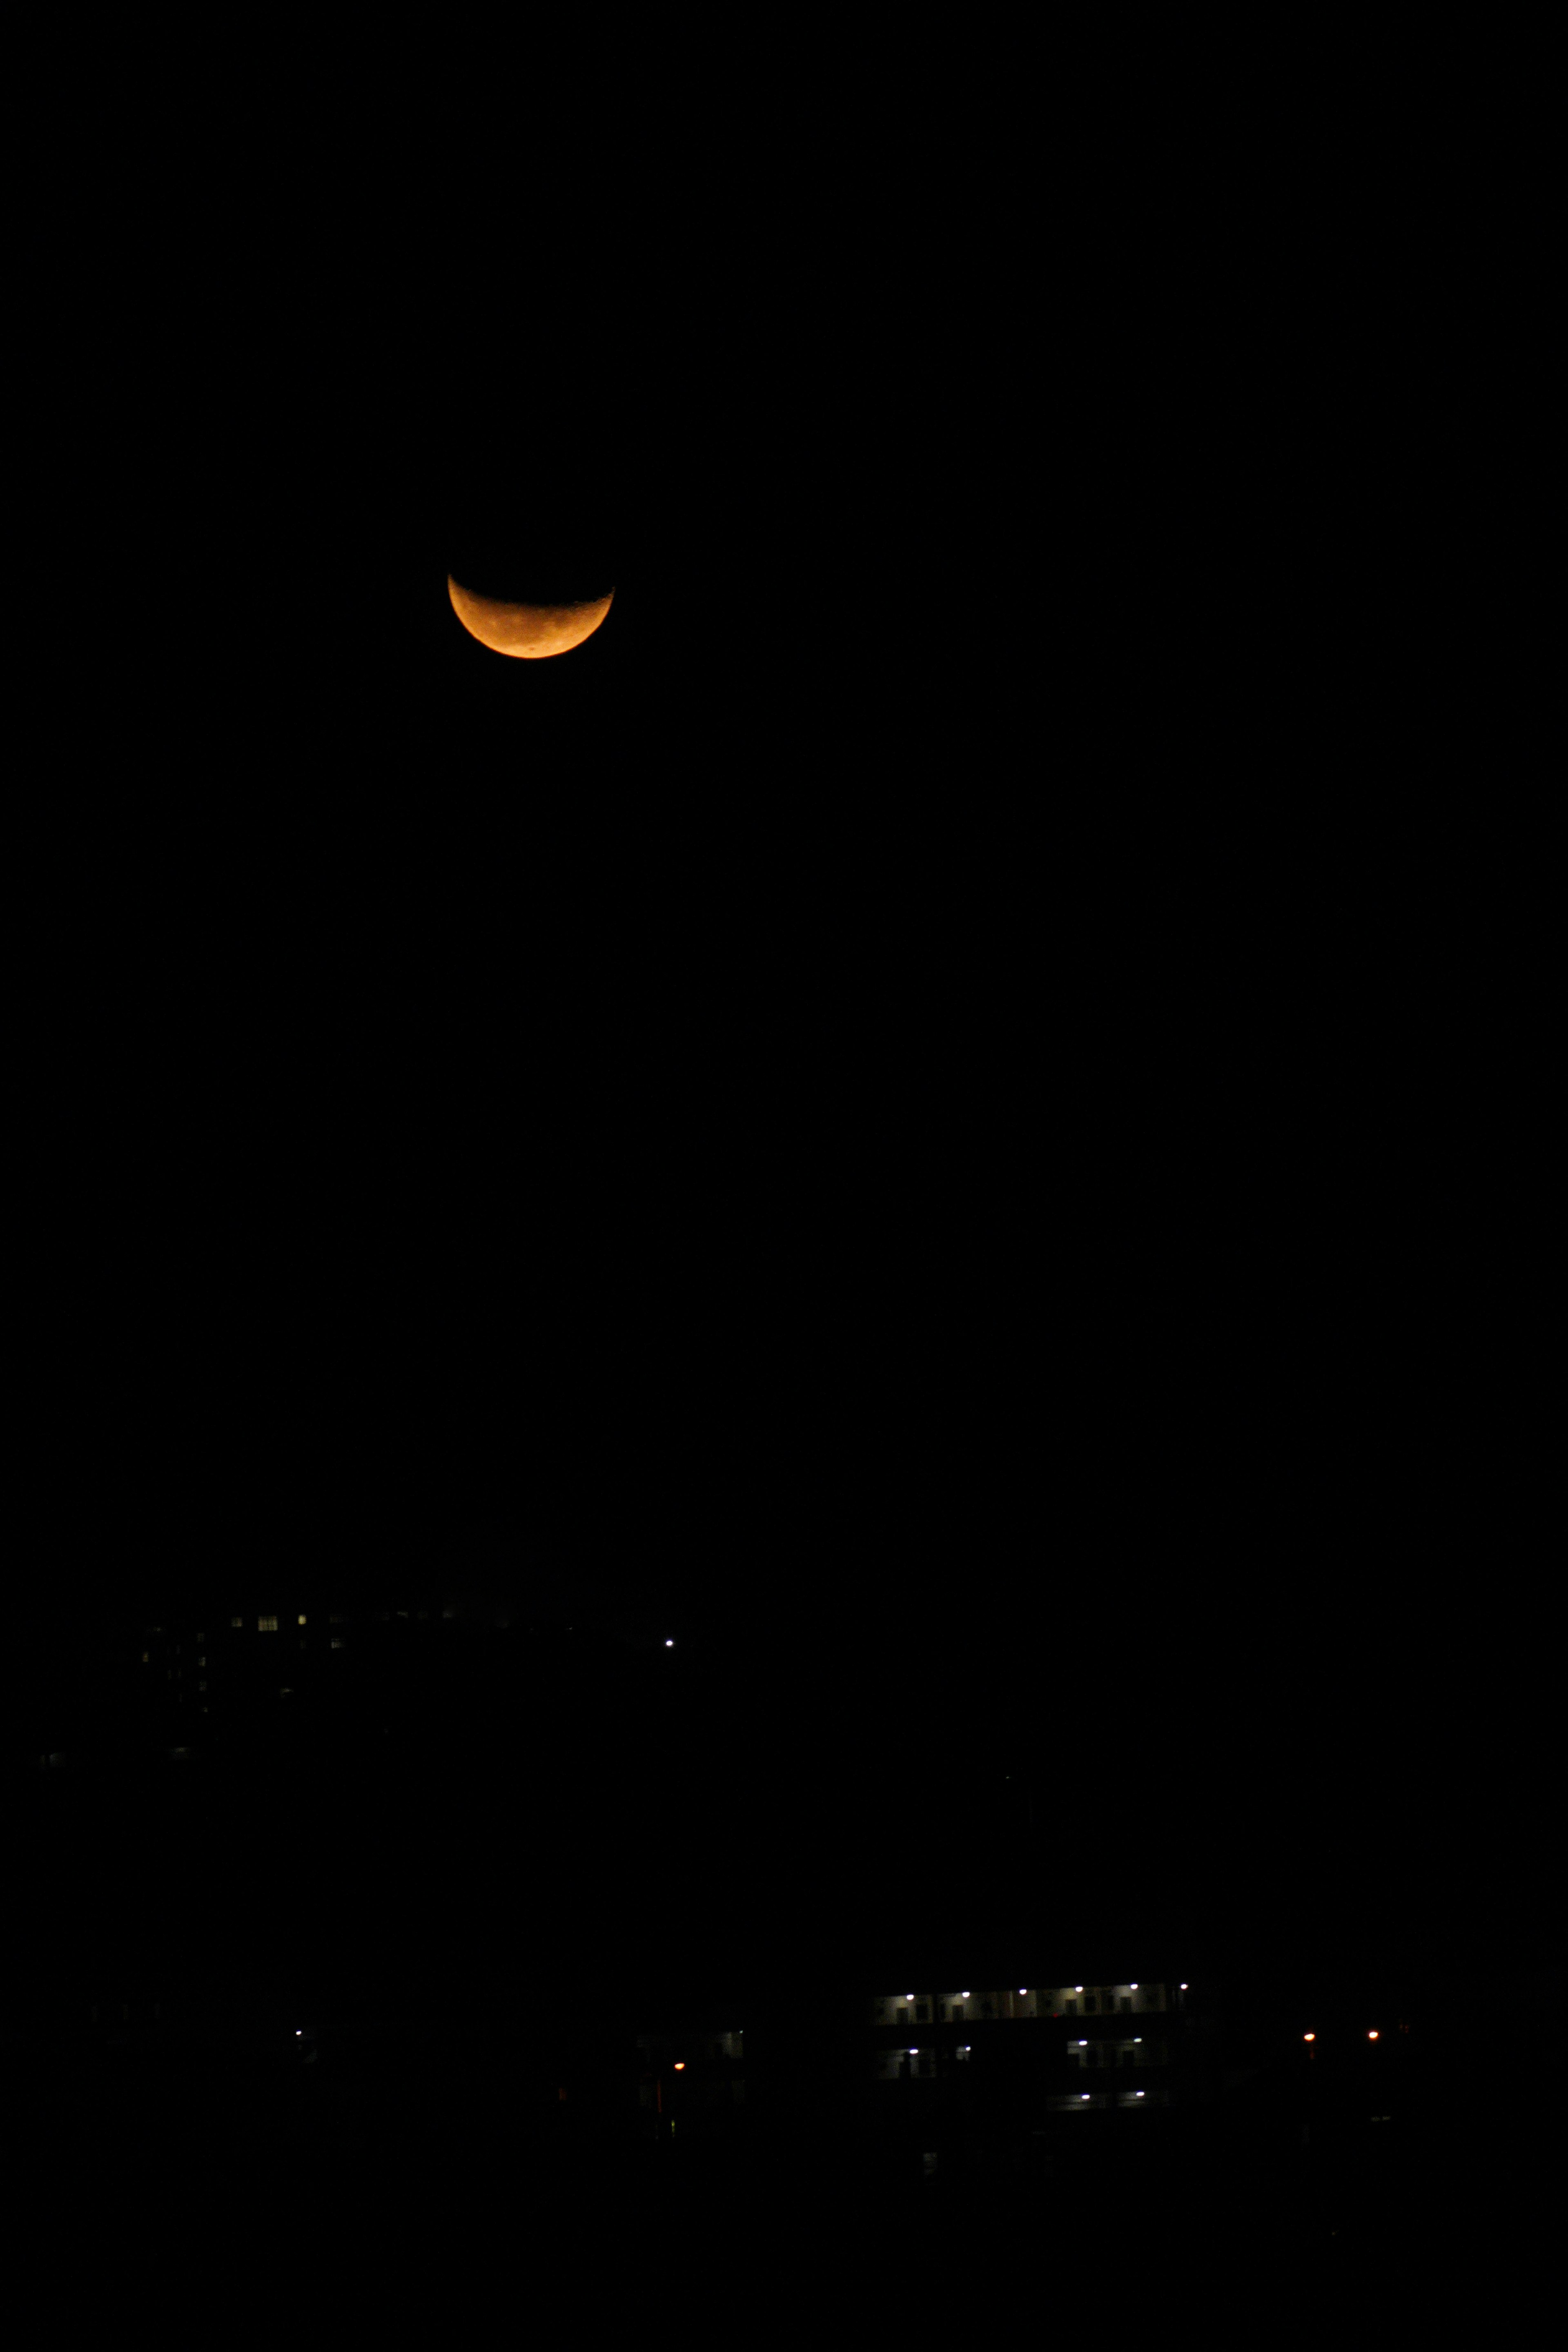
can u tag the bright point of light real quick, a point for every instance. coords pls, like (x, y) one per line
(963, 1996)
(1137, 2095)
(680, 2066)
(1137, 2037)
(1022, 1992)
(670, 1645)
(1077, 1987)
(1180, 1988)
(1309, 2037)
(1133, 1989)
(1084, 2096)
(1372, 2036)
(1083, 2045)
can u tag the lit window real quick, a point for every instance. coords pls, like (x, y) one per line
(302, 1616)
(235, 1623)
(266, 1624)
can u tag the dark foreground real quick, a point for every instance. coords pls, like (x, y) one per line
(214, 2192)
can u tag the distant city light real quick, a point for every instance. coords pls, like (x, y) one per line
(680, 2066)
(1373, 2035)
(670, 1645)
(1309, 2037)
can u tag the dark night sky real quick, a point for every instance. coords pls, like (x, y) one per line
(944, 1074)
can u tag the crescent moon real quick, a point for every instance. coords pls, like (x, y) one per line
(527, 632)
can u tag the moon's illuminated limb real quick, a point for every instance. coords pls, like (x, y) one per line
(527, 632)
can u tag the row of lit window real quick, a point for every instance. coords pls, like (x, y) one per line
(269, 1625)
(1112, 1997)
(923, 2064)
(1096, 2053)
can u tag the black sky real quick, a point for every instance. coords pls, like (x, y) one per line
(945, 1073)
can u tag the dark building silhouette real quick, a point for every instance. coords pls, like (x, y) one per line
(397, 1902)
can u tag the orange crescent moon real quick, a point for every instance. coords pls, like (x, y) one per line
(527, 632)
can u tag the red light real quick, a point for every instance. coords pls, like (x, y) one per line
(1373, 2035)
(1309, 2037)
(680, 2066)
